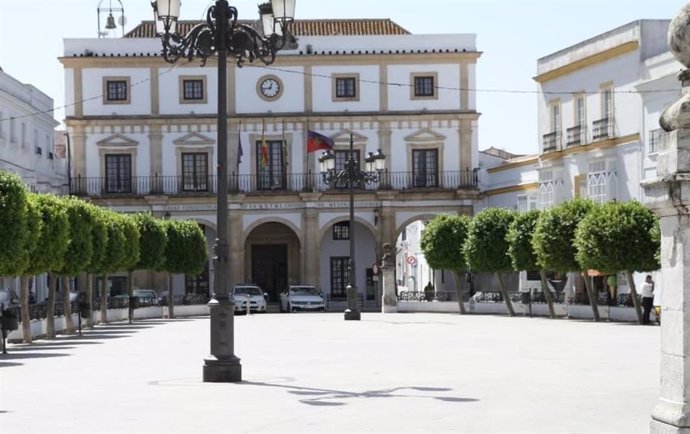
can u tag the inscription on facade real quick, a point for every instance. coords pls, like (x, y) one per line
(281, 205)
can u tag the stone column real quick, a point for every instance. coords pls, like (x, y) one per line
(669, 196)
(389, 300)
(310, 260)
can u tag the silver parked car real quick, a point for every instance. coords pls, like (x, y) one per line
(248, 294)
(302, 297)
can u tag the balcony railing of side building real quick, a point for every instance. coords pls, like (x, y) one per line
(575, 136)
(602, 129)
(266, 184)
(551, 141)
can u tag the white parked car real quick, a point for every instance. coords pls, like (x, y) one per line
(252, 294)
(302, 297)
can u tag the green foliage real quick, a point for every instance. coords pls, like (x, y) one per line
(80, 247)
(116, 248)
(48, 253)
(13, 221)
(99, 239)
(130, 230)
(519, 239)
(554, 236)
(152, 240)
(442, 241)
(185, 251)
(618, 236)
(486, 248)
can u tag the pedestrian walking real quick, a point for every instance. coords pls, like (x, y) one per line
(647, 298)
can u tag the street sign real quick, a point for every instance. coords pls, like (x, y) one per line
(412, 260)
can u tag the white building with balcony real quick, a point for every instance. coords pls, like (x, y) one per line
(144, 139)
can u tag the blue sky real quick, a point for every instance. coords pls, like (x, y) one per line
(512, 34)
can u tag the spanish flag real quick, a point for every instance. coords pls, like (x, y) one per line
(316, 141)
(263, 161)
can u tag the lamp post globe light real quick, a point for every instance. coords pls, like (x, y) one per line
(221, 35)
(352, 175)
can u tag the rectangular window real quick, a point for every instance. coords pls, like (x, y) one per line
(424, 86)
(195, 171)
(607, 103)
(116, 90)
(425, 168)
(270, 165)
(346, 87)
(339, 276)
(555, 117)
(341, 158)
(193, 89)
(657, 139)
(580, 119)
(118, 173)
(341, 231)
(23, 138)
(13, 130)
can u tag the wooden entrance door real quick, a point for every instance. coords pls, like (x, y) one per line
(269, 269)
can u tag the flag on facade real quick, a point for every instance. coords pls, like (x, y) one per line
(240, 152)
(316, 141)
(263, 160)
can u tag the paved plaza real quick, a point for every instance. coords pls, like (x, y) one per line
(315, 373)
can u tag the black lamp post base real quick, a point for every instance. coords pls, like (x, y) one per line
(222, 371)
(352, 315)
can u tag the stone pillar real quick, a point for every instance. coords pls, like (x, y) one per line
(236, 238)
(310, 259)
(669, 196)
(389, 300)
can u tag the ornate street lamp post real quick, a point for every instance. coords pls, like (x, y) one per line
(352, 175)
(222, 35)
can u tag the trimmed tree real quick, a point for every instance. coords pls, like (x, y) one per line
(13, 221)
(79, 250)
(185, 252)
(152, 239)
(442, 241)
(521, 252)
(115, 256)
(554, 241)
(48, 254)
(486, 248)
(619, 236)
(99, 243)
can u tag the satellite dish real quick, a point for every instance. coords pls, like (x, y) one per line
(122, 20)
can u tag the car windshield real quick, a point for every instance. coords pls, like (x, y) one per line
(247, 290)
(304, 290)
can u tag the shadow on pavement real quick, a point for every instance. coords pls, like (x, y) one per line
(12, 356)
(8, 364)
(40, 347)
(330, 397)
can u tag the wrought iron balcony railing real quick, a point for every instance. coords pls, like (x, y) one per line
(551, 141)
(575, 136)
(285, 183)
(602, 129)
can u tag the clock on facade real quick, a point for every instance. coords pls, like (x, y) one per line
(270, 87)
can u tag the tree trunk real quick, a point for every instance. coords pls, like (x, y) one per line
(504, 293)
(66, 305)
(24, 307)
(547, 293)
(89, 299)
(633, 294)
(458, 292)
(130, 294)
(50, 308)
(592, 297)
(104, 299)
(171, 297)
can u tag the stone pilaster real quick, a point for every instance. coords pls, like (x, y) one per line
(236, 238)
(465, 140)
(310, 260)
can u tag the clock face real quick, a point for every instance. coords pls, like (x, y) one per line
(270, 88)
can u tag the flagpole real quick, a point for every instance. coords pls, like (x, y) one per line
(309, 183)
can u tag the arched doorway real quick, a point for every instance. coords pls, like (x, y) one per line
(272, 258)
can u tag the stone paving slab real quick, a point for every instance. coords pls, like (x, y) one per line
(315, 373)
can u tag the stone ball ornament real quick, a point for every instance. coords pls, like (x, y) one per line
(677, 115)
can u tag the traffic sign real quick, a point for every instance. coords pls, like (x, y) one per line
(412, 260)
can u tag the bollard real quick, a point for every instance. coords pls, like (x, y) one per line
(249, 309)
